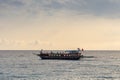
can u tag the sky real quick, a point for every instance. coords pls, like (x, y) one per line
(59, 24)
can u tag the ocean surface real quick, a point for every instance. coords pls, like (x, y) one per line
(24, 65)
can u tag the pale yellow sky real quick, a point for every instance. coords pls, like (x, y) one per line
(62, 32)
(58, 28)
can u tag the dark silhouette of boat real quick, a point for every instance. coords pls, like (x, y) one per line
(65, 55)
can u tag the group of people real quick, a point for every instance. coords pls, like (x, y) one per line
(79, 50)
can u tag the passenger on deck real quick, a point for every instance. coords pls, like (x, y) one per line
(41, 51)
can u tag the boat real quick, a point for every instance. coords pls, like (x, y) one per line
(64, 55)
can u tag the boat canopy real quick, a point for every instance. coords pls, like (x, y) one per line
(71, 51)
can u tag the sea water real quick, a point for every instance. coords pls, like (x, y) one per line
(24, 65)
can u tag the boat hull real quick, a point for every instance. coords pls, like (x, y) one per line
(61, 58)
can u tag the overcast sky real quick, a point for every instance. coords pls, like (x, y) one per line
(59, 24)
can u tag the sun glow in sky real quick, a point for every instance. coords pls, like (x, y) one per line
(59, 24)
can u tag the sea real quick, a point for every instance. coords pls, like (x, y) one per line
(24, 65)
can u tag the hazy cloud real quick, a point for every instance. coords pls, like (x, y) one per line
(105, 8)
(34, 44)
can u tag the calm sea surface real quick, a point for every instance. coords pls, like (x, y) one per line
(23, 65)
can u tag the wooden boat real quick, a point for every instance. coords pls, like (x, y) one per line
(65, 55)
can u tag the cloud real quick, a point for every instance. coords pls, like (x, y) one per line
(32, 8)
(17, 44)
